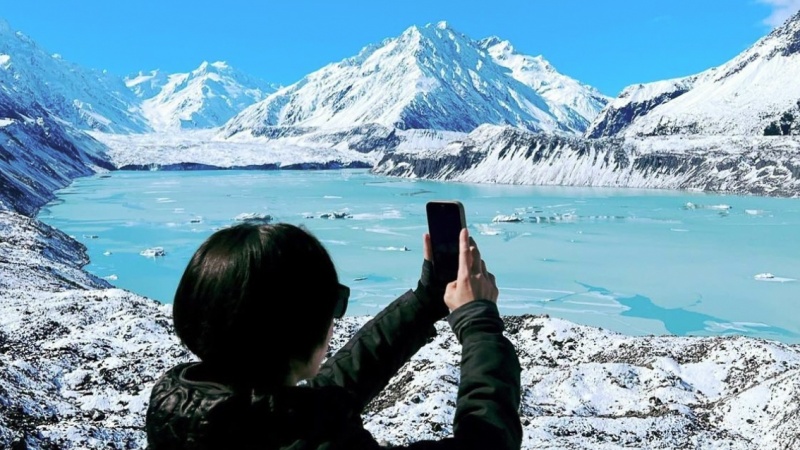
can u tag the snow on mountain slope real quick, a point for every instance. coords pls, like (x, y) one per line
(206, 97)
(39, 154)
(570, 101)
(79, 361)
(492, 154)
(740, 97)
(147, 84)
(430, 77)
(88, 99)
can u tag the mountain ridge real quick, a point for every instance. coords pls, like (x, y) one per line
(740, 97)
(205, 97)
(430, 77)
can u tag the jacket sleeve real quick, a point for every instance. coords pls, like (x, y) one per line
(382, 346)
(487, 409)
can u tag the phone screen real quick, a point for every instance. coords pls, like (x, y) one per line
(445, 221)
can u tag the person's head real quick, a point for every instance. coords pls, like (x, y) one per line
(257, 296)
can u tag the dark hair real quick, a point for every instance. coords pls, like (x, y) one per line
(254, 296)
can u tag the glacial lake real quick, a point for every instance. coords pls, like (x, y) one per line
(634, 261)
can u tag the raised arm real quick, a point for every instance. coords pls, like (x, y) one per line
(487, 409)
(383, 345)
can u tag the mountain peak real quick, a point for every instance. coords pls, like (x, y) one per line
(220, 65)
(442, 25)
(497, 45)
(490, 42)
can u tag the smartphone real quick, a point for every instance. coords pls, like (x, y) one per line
(446, 219)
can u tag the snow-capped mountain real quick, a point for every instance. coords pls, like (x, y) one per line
(39, 154)
(88, 99)
(744, 96)
(79, 360)
(430, 77)
(206, 97)
(571, 101)
(493, 154)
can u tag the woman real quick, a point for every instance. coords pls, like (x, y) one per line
(256, 305)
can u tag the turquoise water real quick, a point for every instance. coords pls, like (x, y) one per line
(635, 261)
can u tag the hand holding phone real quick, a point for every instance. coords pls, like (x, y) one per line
(474, 281)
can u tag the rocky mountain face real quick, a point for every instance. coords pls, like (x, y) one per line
(741, 97)
(78, 362)
(206, 97)
(38, 154)
(87, 99)
(430, 77)
(491, 154)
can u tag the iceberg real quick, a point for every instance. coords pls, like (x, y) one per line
(253, 217)
(153, 252)
(335, 215)
(766, 276)
(507, 218)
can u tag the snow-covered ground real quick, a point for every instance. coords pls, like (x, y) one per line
(78, 360)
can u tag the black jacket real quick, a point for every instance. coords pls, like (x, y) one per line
(189, 410)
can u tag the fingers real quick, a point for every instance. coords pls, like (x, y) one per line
(427, 249)
(476, 257)
(464, 255)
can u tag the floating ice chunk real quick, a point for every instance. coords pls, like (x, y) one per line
(90, 236)
(153, 252)
(253, 217)
(487, 230)
(720, 207)
(394, 249)
(390, 249)
(107, 253)
(335, 215)
(770, 277)
(507, 218)
(359, 278)
(754, 212)
(331, 196)
(111, 277)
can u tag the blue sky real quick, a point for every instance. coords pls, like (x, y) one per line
(608, 44)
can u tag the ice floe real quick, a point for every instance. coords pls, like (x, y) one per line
(720, 207)
(253, 217)
(507, 218)
(402, 248)
(335, 215)
(486, 230)
(153, 252)
(766, 276)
